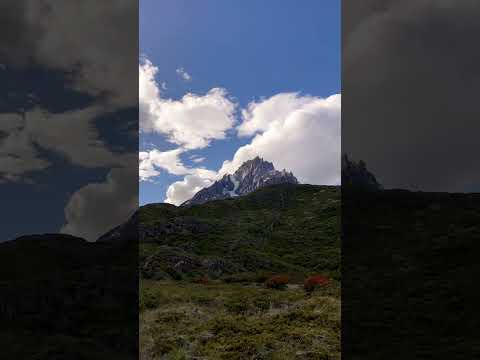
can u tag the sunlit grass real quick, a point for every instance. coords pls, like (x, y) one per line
(180, 320)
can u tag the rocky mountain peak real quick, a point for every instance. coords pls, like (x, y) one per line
(250, 176)
(256, 166)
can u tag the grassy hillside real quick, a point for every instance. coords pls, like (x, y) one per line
(283, 228)
(179, 320)
(292, 230)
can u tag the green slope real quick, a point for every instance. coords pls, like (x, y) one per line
(282, 228)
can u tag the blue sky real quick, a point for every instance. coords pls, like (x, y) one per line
(252, 49)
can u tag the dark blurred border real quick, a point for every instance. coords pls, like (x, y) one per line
(410, 187)
(69, 179)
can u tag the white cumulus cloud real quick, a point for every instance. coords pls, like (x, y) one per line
(298, 133)
(263, 115)
(191, 122)
(181, 191)
(154, 160)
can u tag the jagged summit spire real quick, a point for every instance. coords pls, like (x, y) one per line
(250, 176)
(256, 160)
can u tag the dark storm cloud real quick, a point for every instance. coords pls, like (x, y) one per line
(410, 88)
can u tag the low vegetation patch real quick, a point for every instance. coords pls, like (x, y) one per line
(225, 279)
(185, 320)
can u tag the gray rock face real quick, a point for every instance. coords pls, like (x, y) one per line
(252, 175)
(169, 262)
(159, 231)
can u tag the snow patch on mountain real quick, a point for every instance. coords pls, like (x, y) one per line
(236, 183)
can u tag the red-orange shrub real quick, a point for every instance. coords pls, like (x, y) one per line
(313, 282)
(276, 282)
